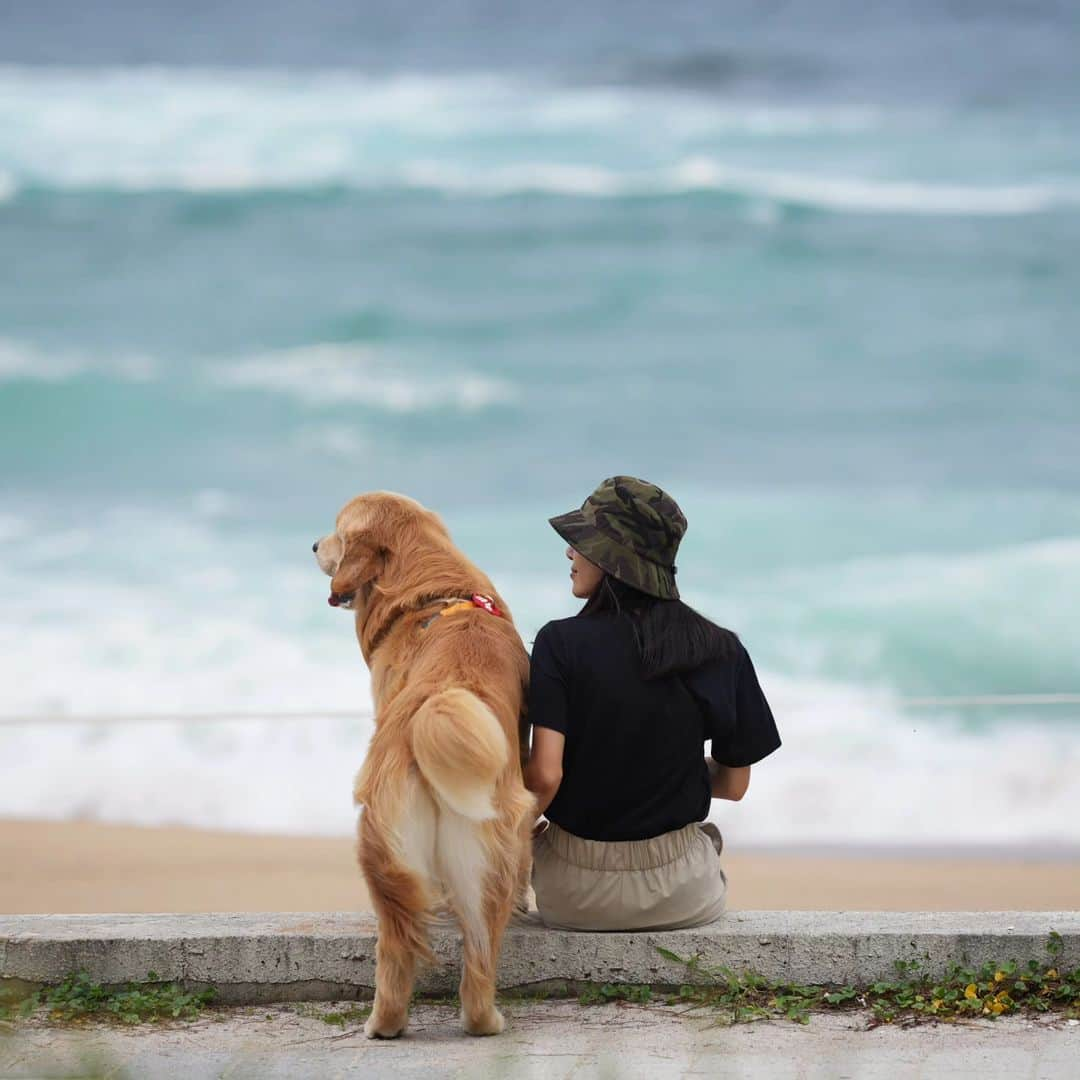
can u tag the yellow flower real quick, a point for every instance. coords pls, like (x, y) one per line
(1004, 996)
(971, 992)
(1052, 973)
(998, 976)
(937, 1003)
(996, 1008)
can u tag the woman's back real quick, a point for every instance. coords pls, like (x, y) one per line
(633, 764)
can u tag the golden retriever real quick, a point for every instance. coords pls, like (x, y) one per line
(446, 819)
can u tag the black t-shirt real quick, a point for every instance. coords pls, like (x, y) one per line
(634, 762)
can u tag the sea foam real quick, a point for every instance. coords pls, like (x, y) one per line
(334, 374)
(315, 375)
(865, 195)
(480, 135)
(852, 769)
(22, 361)
(180, 612)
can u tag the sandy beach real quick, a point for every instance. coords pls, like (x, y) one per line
(66, 867)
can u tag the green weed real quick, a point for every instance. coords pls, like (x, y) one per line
(599, 995)
(352, 1015)
(78, 998)
(992, 990)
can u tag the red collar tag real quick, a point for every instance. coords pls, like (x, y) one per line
(486, 603)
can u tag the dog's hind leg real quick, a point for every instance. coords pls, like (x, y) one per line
(479, 1015)
(393, 865)
(481, 864)
(465, 862)
(394, 970)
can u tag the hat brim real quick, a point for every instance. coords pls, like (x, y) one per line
(614, 558)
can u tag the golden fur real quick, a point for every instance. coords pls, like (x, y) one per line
(446, 819)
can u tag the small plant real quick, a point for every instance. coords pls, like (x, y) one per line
(989, 991)
(352, 1015)
(601, 995)
(79, 998)
(742, 998)
(17, 1008)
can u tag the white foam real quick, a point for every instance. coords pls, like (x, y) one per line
(258, 777)
(872, 195)
(339, 374)
(318, 375)
(20, 361)
(139, 611)
(855, 768)
(160, 609)
(852, 770)
(205, 130)
(146, 611)
(825, 192)
(552, 178)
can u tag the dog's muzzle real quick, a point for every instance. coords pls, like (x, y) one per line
(340, 599)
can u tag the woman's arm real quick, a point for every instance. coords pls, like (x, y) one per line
(728, 781)
(543, 773)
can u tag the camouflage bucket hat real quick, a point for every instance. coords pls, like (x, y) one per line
(631, 530)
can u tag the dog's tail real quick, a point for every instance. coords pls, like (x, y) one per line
(460, 748)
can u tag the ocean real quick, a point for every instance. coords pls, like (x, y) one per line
(813, 268)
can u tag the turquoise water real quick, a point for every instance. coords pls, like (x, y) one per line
(823, 293)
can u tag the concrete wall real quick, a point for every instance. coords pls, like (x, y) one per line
(291, 957)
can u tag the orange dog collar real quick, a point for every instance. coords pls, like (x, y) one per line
(454, 607)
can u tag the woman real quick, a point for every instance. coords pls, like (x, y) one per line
(622, 698)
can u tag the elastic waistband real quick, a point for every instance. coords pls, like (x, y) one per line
(622, 854)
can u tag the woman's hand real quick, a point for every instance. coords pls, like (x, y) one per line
(543, 773)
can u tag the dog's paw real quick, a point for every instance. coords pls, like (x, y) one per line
(375, 1030)
(490, 1023)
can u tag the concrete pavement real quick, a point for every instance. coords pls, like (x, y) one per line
(548, 1041)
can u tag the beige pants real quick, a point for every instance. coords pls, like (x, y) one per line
(663, 883)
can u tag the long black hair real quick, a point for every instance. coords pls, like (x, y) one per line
(671, 636)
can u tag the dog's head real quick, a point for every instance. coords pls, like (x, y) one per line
(371, 545)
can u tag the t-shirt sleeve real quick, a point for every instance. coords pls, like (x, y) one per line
(754, 736)
(548, 682)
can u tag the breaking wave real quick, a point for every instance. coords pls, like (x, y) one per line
(229, 131)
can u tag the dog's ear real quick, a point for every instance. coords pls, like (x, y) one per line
(360, 565)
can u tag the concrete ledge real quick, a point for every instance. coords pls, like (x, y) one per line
(292, 957)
